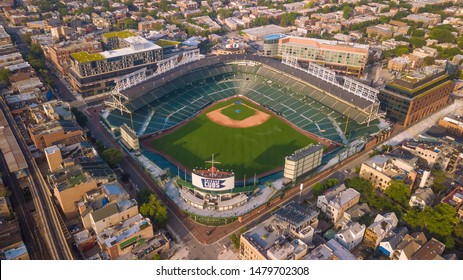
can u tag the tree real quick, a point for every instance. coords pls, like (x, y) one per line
(401, 51)
(154, 210)
(260, 21)
(417, 42)
(318, 189)
(130, 23)
(438, 220)
(399, 192)
(163, 5)
(112, 156)
(439, 180)
(288, 19)
(429, 60)
(235, 237)
(4, 76)
(346, 11)
(442, 35)
(458, 231)
(309, 5)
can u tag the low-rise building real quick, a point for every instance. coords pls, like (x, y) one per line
(379, 229)
(351, 235)
(409, 245)
(54, 132)
(283, 236)
(399, 64)
(453, 124)
(382, 170)
(390, 242)
(421, 198)
(332, 250)
(336, 201)
(431, 250)
(112, 214)
(120, 238)
(69, 186)
(454, 198)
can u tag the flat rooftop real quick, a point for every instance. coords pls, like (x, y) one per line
(121, 34)
(84, 57)
(9, 146)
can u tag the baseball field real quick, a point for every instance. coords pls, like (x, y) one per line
(243, 136)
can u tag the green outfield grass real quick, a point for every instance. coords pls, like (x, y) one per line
(238, 112)
(244, 150)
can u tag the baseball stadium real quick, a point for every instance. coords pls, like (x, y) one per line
(249, 111)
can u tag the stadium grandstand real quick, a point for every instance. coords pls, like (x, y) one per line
(314, 104)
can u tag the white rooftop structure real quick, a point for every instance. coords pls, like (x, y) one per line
(137, 44)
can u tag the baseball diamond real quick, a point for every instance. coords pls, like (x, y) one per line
(254, 145)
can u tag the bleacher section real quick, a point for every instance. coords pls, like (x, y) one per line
(305, 106)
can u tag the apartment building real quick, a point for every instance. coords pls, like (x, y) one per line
(44, 135)
(59, 54)
(120, 238)
(379, 229)
(336, 201)
(346, 58)
(351, 235)
(284, 236)
(414, 96)
(381, 170)
(92, 72)
(69, 186)
(453, 124)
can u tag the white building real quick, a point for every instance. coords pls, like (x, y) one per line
(422, 197)
(350, 236)
(335, 203)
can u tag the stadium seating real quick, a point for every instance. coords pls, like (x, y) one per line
(305, 106)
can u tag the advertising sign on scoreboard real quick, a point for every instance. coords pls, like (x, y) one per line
(218, 184)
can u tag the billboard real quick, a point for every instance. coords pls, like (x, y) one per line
(213, 184)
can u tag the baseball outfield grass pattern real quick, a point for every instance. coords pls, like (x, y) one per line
(252, 150)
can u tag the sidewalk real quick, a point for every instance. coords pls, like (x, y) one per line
(425, 124)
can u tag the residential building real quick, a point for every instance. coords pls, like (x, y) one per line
(11, 244)
(414, 96)
(399, 64)
(101, 197)
(84, 240)
(382, 170)
(454, 198)
(332, 250)
(112, 214)
(352, 215)
(421, 198)
(390, 242)
(54, 132)
(351, 235)
(303, 161)
(90, 72)
(427, 19)
(431, 250)
(379, 229)
(346, 58)
(335, 203)
(120, 238)
(409, 245)
(54, 159)
(59, 54)
(69, 186)
(283, 236)
(453, 124)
